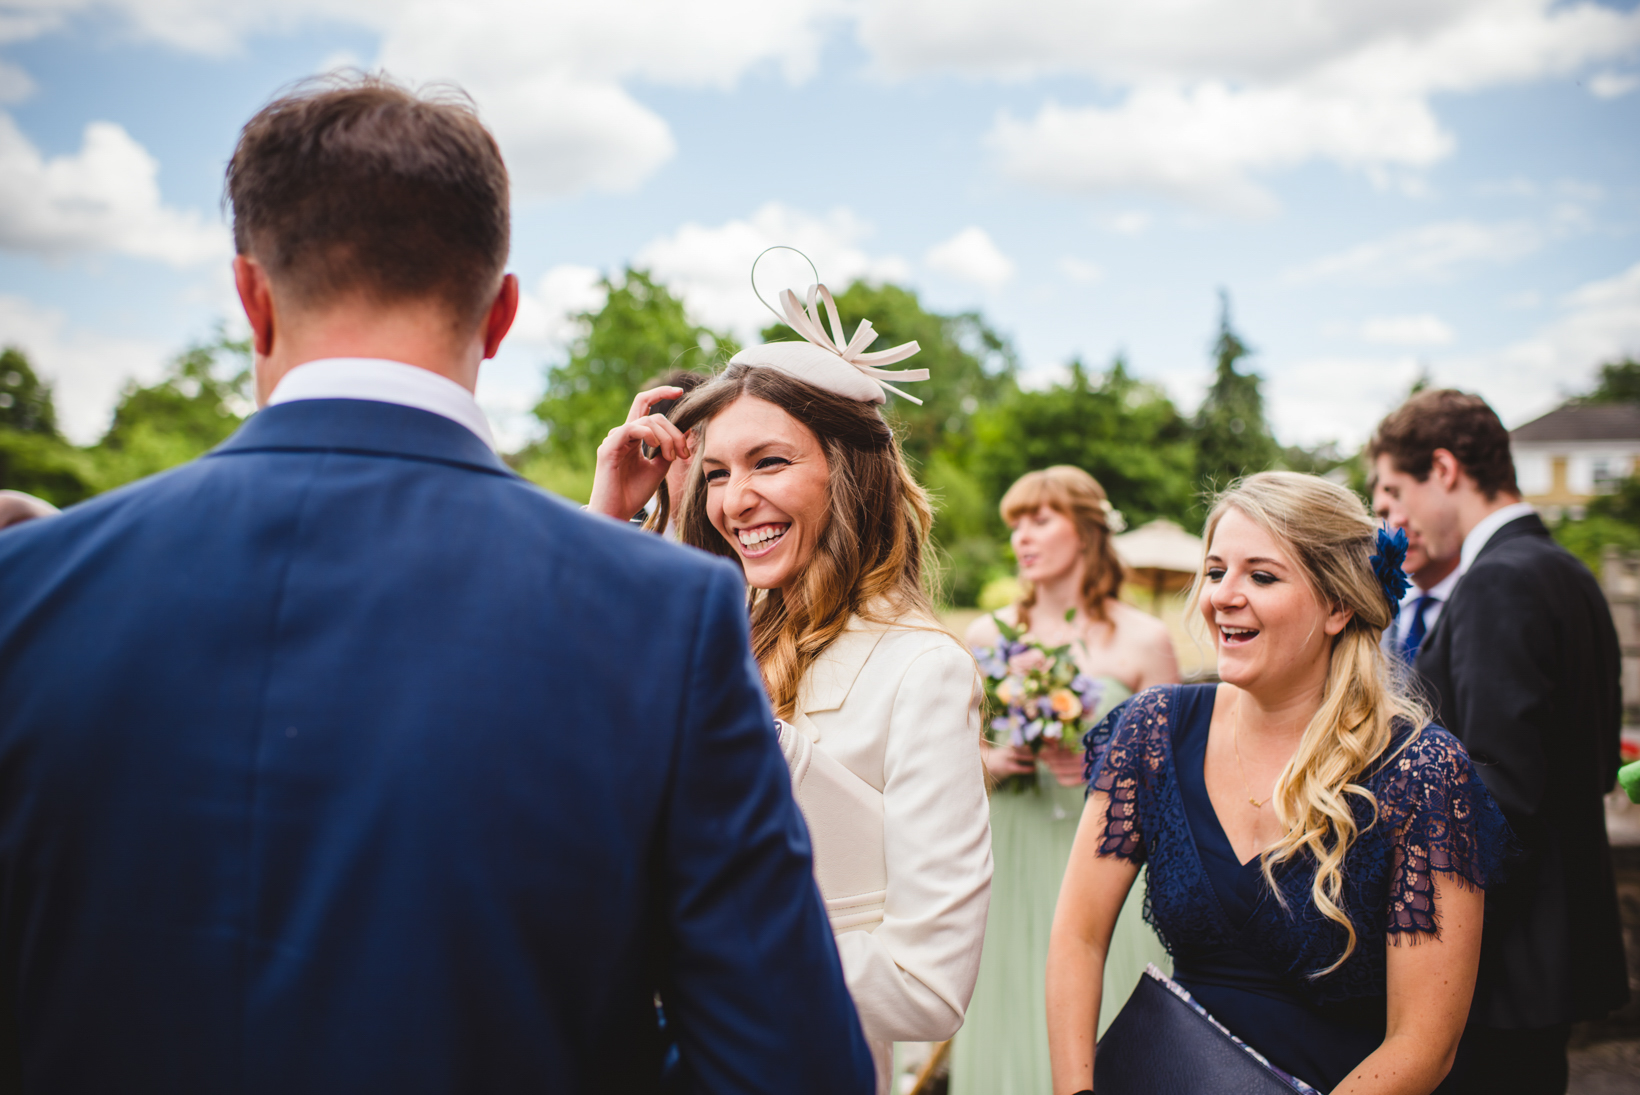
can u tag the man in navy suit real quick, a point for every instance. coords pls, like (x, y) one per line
(344, 760)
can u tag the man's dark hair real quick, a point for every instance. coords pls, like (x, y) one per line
(1462, 424)
(351, 184)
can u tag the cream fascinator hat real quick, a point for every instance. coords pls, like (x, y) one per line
(825, 360)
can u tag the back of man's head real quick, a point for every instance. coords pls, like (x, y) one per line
(1460, 423)
(352, 186)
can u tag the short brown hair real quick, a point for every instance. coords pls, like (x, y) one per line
(1460, 423)
(351, 183)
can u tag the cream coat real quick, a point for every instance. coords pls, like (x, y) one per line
(885, 763)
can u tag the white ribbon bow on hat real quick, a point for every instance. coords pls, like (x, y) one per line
(807, 323)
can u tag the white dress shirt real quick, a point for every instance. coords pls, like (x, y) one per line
(1438, 594)
(1484, 531)
(383, 382)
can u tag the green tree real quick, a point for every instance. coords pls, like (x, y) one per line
(970, 365)
(1619, 383)
(1232, 438)
(34, 457)
(639, 333)
(25, 400)
(202, 399)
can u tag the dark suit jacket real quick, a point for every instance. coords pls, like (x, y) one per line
(1523, 666)
(344, 760)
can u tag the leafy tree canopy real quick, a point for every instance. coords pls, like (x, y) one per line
(25, 400)
(640, 333)
(1619, 383)
(1232, 437)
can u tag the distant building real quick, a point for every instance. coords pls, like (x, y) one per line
(1569, 456)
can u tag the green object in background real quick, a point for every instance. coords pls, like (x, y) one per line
(1628, 777)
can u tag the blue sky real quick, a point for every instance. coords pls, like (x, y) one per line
(1382, 187)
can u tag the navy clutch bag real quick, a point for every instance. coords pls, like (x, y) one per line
(1164, 1043)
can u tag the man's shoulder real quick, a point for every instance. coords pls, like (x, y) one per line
(1530, 557)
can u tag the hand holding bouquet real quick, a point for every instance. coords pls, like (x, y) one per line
(1036, 693)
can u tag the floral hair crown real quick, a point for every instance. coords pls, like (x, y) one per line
(1387, 563)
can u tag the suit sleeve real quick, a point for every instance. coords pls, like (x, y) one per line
(753, 988)
(1502, 702)
(913, 976)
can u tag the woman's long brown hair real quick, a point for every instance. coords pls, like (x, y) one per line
(869, 558)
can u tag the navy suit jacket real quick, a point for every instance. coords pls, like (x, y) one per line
(344, 760)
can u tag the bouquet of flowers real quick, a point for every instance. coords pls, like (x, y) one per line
(1036, 693)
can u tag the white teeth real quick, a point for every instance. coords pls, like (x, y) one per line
(761, 535)
(1238, 630)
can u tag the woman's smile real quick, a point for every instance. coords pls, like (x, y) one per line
(759, 540)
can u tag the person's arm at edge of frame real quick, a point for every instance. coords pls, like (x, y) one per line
(1090, 898)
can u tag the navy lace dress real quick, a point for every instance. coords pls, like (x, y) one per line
(1246, 959)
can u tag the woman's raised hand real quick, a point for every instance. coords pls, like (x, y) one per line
(623, 478)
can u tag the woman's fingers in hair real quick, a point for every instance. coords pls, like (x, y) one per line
(656, 431)
(643, 401)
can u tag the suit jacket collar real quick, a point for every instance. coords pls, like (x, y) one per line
(1527, 525)
(362, 426)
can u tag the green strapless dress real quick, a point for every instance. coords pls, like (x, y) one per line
(1002, 1048)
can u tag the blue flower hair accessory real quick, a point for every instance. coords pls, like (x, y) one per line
(1392, 553)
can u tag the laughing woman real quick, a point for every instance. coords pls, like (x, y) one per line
(1315, 850)
(798, 480)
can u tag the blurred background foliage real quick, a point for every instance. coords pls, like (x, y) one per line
(979, 428)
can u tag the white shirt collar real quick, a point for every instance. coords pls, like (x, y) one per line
(1484, 531)
(384, 382)
(1440, 591)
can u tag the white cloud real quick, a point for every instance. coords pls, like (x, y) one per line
(1599, 321)
(1419, 330)
(1201, 145)
(105, 197)
(1081, 270)
(86, 369)
(709, 266)
(549, 78)
(1132, 223)
(1613, 85)
(972, 256)
(15, 84)
(1429, 253)
(547, 315)
(1342, 398)
(1214, 94)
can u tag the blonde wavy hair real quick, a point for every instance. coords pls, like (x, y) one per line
(1077, 496)
(870, 558)
(1330, 536)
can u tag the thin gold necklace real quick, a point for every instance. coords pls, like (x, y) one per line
(1235, 743)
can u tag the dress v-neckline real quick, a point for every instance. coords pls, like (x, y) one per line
(1208, 834)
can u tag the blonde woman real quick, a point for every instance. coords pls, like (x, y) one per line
(798, 480)
(1070, 577)
(1297, 821)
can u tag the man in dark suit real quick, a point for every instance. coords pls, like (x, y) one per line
(1523, 666)
(343, 759)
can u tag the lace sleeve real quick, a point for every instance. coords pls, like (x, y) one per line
(1118, 752)
(1445, 823)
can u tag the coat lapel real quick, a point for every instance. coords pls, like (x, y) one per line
(827, 683)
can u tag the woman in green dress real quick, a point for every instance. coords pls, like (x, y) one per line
(1069, 578)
